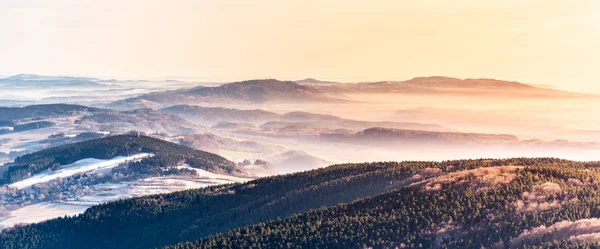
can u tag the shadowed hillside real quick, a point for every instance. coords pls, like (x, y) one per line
(407, 205)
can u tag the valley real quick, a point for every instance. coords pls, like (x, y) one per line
(209, 160)
(536, 192)
(299, 124)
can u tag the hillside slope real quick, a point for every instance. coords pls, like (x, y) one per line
(386, 136)
(42, 111)
(166, 154)
(286, 160)
(212, 115)
(496, 207)
(449, 85)
(142, 120)
(248, 92)
(409, 208)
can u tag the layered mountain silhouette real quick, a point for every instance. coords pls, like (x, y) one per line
(251, 91)
(230, 118)
(448, 85)
(34, 80)
(387, 136)
(43, 111)
(212, 115)
(143, 120)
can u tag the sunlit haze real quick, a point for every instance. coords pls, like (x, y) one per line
(535, 41)
(211, 124)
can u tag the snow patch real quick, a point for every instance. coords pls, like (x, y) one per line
(106, 192)
(81, 166)
(206, 174)
(538, 199)
(580, 230)
(40, 212)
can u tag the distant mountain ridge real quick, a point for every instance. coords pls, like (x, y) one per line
(384, 136)
(250, 91)
(449, 85)
(212, 115)
(313, 81)
(218, 116)
(34, 80)
(36, 77)
(42, 111)
(258, 91)
(144, 120)
(286, 160)
(309, 89)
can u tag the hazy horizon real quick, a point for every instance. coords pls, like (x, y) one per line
(204, 124)
(190, 79)
(534, 42)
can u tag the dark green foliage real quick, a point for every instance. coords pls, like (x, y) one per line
(409, 218)
(397, 214)
(33, 126)
(165, 154)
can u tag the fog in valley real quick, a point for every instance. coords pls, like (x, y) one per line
(269, 127)
(330, 122)
(299, 124)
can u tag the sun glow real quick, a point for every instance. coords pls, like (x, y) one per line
(535, 41)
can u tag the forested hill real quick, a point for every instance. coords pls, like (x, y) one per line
(545, 206)
(165, 154)
(41, 111)
(453, 204)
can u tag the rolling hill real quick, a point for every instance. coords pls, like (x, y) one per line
(36, 112)
(143, 120)
(166, 154)
(286, 160)
(212, 115)
(512, 203)
(386, 136)
(251, 91)
(541, 206)
(313, 81)
(448, 85)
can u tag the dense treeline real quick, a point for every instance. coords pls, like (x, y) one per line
(41, 111)
(33, 126)
(165, 154)
(397, 215)
(410, 218)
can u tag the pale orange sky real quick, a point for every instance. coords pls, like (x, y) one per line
(536, 41)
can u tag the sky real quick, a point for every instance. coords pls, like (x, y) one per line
(545, 42)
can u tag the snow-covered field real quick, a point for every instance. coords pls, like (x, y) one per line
(29, 140)
(154, 185)
(41, 212)
(81, 166)
(205, 174)
(106, 192)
